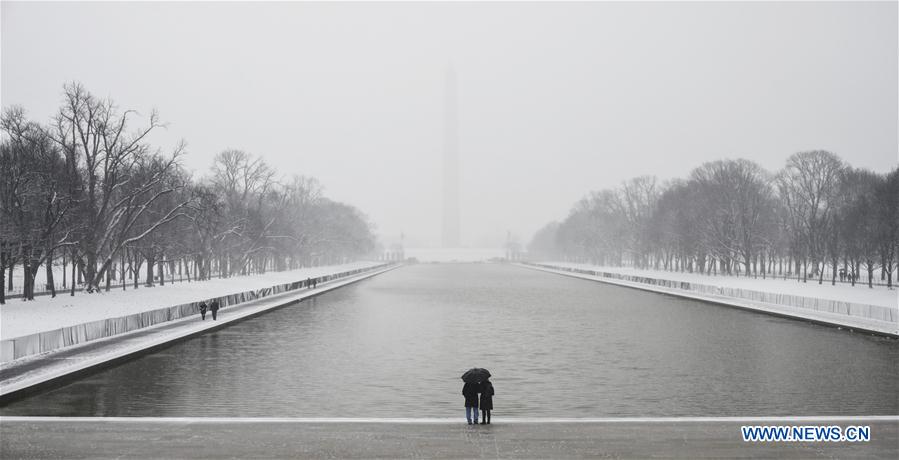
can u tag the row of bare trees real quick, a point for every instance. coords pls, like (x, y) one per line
(88, 191)
(817, 216)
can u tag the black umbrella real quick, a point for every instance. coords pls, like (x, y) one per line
(475, 375)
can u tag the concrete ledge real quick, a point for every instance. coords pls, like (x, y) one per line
(456, 420)
(35, 373)
(859, 317)
(699, 437)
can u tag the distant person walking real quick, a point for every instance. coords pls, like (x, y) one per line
(203, 308)
(214, 308)
(470, 391)
(486, 401)
(308, 283)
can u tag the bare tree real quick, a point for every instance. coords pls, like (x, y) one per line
(732, 215)
(97, 142)
(740, 206)
(36, 197)
(887, 193)
(248, 188)
(639, 197)
(544, 243)
(809, 184)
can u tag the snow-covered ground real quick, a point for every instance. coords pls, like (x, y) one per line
(18, 318)
(60, 272)
(860, 293)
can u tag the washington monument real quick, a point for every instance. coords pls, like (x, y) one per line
(450, 163)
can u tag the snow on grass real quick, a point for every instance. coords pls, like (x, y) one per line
(18, 318)
(860, 293)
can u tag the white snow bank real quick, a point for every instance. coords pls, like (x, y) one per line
(18, 318)
(860, 293)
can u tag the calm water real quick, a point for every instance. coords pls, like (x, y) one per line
(394, 346)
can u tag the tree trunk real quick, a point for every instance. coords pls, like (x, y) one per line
(50, 284)
(833, 281)
(870, 275)
(161, 270)
(150, 264)
(31, 275)
(12, 267)
(890, 278)
(820, 272)
(135, 268)
(845, 266)
(26, 270)
(92, 283)
(2, 277)
(888, 267)
(73, 273)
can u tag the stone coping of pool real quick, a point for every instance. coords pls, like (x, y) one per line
(454, 420)
(33, 373)
(687, 437)
(47, 341)
(869, 318)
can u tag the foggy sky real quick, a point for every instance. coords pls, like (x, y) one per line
(555, 99)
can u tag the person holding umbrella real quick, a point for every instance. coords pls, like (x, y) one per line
(470, 390)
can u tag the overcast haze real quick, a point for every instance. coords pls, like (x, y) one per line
(555, 100)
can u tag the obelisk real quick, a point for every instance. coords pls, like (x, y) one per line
(450, 163)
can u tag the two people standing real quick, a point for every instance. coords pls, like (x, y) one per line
(472, 402)
(213, 307)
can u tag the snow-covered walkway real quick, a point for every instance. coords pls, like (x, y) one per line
(860, 293)
(19, 318)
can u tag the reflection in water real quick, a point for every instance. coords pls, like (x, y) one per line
(395, 345)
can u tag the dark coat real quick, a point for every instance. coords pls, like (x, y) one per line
(470, 391)
(203, 307)
(214, 306)
(486, 396)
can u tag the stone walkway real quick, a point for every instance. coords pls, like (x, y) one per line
(285, 438)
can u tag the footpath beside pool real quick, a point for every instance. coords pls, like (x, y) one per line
(877, 319)
(691, 437)
(35, 372)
